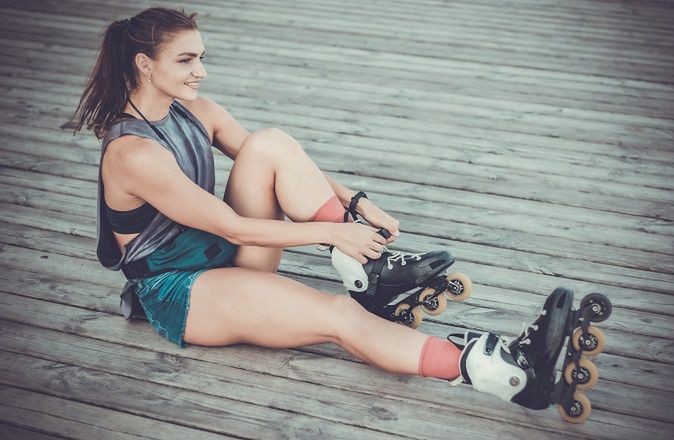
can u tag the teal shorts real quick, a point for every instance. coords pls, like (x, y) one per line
(165, 297)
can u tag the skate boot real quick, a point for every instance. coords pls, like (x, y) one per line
(419, 278)
(523, 370)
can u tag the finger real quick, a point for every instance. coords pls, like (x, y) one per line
(377, 248)
(379, 239)
(370, 253)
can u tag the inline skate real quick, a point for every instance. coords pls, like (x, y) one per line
(523, 370)
(420, 278)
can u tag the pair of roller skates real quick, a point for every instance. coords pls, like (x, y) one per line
(419, 279)
(523, 370)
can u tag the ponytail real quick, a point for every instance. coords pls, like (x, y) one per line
(114, 74)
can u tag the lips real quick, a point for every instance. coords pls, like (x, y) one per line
(192, 84)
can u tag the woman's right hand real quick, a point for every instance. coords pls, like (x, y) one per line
(358, 241)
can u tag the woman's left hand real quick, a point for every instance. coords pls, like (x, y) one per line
(378, 218)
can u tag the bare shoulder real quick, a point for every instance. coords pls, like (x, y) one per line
(128, 154)
(206, 110)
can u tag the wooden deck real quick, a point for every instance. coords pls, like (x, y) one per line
(534, 139)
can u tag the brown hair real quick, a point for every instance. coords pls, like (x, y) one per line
(115, 74)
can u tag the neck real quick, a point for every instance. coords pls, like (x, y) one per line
(152, 104)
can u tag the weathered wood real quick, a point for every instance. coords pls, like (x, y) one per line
(532, 139)
(540, 266)
(10, 432)
(64, 418)
(105, 297)
(641, 337)
(347, 35)
(464, 119)
(304, 367)
(355, 409)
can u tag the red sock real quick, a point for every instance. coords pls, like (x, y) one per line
(331, 211)
(439, 358)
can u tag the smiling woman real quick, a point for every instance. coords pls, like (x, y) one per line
(193, 260)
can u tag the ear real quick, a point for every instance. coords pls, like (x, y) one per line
(143, 64)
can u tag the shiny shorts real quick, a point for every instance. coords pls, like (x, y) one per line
(165, 298)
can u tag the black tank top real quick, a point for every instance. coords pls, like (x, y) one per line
(130, 222)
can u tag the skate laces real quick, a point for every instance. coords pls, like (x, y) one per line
(526, 329)
(399, 256)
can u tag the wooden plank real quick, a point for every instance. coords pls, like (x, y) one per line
(105, 17)
(350, 408)
(64, 418)
(581, 235)
(169, 404)
(492, 281)
(501, 252)
(488, 204)
(426, 110)
(496, 55)
(330, 372)
(463, 87)
(573, 240)
(10, 432)
(550, 188)
(636, 335)
(92, 295)
(537, 121)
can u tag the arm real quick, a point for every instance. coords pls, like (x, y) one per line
(365, 208)
(343, 193)
(151, 173)
(228, 134)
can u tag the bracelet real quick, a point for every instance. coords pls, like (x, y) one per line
(352, 206)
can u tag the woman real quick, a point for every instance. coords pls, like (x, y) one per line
(157, 210)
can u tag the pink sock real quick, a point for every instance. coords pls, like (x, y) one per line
(439, 358)
(331, 211)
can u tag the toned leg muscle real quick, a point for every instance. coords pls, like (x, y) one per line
(237, 305)
(272, 175)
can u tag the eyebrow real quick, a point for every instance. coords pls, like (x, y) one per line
(191, 54)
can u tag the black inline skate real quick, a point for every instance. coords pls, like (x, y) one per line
(421, 278)
(523, 370)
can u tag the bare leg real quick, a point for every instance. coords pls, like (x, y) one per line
(237, 305)
(272, 175)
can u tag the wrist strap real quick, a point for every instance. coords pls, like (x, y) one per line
(352, 206)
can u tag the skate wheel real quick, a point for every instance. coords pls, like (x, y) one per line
(410, 319)
(600, 305)
(432, 306)
(591, 345)
(585, 375)
(460, 286)
(578, 411)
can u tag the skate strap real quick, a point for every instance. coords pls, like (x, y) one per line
(352, 206)
(520, 358)
(373, 277)
(490, 344)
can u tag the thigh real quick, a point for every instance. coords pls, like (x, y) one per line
(238, 305)
(250, 192)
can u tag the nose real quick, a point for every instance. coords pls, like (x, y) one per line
(200, 71)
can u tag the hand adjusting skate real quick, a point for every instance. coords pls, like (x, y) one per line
(420, 278)
(523, 370)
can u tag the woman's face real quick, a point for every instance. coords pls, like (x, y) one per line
(177, 68)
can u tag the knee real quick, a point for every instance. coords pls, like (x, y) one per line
(270, 142)
(347, 315)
